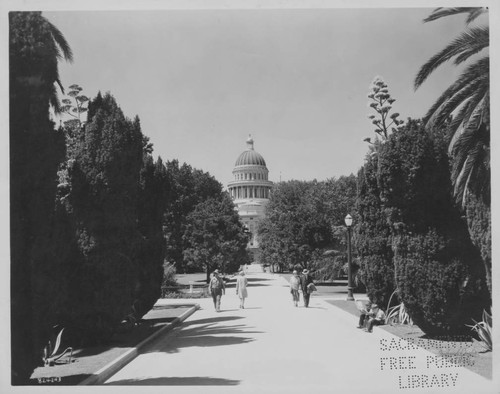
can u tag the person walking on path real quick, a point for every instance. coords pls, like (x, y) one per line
(305, 281)
(241, 288)
(216, 288)
(294, 288)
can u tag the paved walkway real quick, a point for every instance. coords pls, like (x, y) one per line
(272, 346)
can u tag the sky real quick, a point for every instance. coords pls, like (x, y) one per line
(297, 80)
(202, 80)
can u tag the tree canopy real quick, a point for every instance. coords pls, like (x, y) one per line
(215, 237)
(300, 219)
(187, 187)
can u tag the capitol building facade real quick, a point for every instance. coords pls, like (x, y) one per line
(250, 190)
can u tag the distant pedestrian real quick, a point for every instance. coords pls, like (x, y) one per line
(241, 288)
(216, 288)
(294, 288)
(305, 281)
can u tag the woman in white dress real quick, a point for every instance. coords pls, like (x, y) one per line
(294, 287)
(241, 288)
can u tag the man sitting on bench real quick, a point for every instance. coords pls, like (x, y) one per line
(376, 318)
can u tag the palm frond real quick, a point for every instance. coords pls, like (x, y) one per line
(61, 42)
(472, 101)
(473, 122)
(470, 164)
(459, 185)
(54, 100)
(465, 145)
(441, 12)
(474, 14)
(462, 184)
(474, 89)
(471, 40)
(466, 101)
(471, 73)
(467, 53)
(456, 125)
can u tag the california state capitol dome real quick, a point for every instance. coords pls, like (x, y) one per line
(250, 190)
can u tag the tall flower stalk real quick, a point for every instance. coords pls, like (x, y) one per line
(381, 102)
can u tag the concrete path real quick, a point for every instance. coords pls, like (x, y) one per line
(273, 347)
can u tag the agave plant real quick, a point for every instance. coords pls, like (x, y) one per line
(484, 330)
(50, 355)
(397, 313)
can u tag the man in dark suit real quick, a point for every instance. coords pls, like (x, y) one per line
(305, 280)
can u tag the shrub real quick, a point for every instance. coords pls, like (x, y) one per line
(439, 274)
(478, 213)
(440, 282)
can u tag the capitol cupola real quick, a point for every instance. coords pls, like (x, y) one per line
(250, 190)
(250, 176)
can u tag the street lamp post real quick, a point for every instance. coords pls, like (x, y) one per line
(348, 223)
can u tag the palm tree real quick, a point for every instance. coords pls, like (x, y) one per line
(35, 47)
(467, 102)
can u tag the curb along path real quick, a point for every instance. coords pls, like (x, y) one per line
(272, 346)
(114, 366)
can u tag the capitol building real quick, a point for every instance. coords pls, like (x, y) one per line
(250, 190)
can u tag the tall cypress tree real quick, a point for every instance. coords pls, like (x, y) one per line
(102, 206)
(439, 273)
(151, 206)
(373, 234)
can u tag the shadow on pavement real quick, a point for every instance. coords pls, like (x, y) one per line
(211, 320)
(257, 284)
(123, 339)
(204, 335)
(160, 320)
(250, 284)
(177, 381)
(258, 279)
(171, 306)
